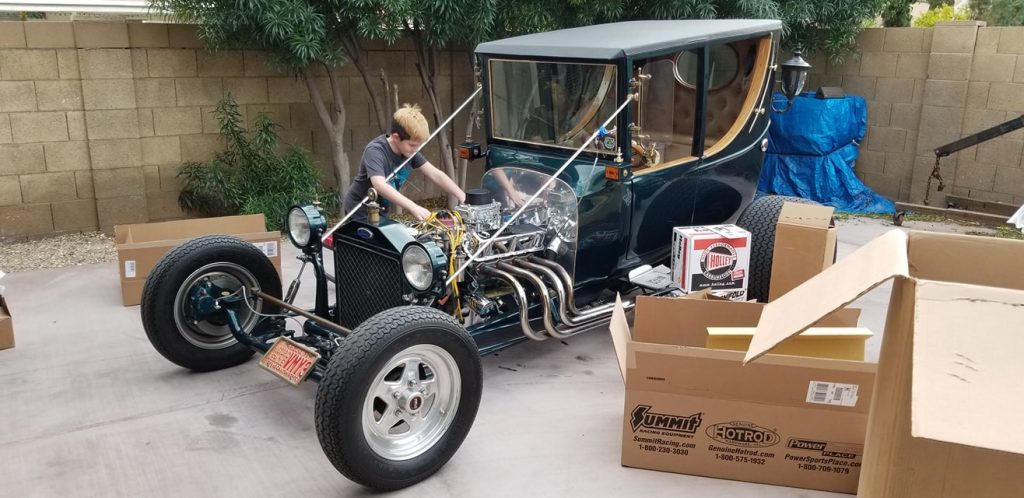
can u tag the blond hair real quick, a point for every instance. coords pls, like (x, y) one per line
(409, 123)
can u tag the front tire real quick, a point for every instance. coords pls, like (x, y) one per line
(398, 397)
(760, 219)
(227, 264)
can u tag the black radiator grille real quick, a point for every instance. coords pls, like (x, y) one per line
(367, 283)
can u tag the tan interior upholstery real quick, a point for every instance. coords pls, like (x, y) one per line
(723, 107)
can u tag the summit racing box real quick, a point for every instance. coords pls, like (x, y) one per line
(787, 420)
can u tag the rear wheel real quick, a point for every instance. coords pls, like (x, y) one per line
(760, 218)
(398, 397)
(179, 292)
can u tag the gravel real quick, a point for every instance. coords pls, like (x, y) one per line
(59, 251)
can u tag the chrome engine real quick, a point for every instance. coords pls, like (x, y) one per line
(530, 262)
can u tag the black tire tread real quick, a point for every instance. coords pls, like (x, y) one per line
(353, 358)
(160, 282)
(759, 218)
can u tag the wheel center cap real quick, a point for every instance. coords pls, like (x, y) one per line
(414, 402)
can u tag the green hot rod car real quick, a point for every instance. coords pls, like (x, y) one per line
(600, 140)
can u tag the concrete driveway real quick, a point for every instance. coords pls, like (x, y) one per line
(89, 408)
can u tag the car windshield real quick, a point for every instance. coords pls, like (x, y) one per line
(554, 208)
(550, 103)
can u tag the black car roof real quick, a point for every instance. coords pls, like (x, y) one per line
(610, 41)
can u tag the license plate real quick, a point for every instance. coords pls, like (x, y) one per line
(290, 360)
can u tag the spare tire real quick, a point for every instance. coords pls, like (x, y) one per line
(760, 218)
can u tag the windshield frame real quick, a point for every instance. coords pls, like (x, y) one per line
(611, 89)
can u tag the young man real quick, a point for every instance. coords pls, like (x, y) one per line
(383, 154)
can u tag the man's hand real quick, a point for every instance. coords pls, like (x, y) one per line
(421, 213)
(516, 197)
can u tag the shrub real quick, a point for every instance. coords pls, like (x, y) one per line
(896, 13)
(250, 176)
(943, 13)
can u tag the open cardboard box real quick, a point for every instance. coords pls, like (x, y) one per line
(805, 244)
(946, 413)
(6, 325)
(788, 420)
(140, 246)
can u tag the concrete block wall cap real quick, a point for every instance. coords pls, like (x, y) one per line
(960, 23)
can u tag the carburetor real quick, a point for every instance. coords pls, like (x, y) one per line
(480, 212)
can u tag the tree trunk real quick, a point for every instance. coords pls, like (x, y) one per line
(463, 168)
(333, 121)
(342, 168)
(355, 56)
(428, 65)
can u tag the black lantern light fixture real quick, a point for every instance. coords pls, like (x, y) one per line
(794, 76)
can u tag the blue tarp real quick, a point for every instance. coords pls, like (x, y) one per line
(811, 152)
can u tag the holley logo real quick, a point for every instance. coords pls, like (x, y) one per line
(717, 261)
(746, 434)
(643, 417)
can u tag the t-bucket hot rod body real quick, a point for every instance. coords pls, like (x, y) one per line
(600, 140)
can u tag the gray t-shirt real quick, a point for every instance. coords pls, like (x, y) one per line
(379, 160)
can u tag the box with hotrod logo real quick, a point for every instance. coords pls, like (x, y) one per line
(714, 257)
(785, 420)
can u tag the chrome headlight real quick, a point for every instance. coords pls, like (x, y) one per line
(417, 267)
(305, 224)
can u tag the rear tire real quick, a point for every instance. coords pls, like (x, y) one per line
(760, 218)
(168, 316)
(398, 397)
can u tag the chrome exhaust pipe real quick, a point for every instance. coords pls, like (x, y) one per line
(570, 297)
(559, 286)
(545, 297)
(520, 295)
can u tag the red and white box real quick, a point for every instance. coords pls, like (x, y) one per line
(715, 257)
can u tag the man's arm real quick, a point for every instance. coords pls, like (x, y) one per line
(441, 180)
(388, 192)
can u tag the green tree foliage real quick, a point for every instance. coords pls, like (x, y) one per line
(943, 13)
(250, 176)
(932, 4)
(896, 13)
(980, 9)
(1005, 13)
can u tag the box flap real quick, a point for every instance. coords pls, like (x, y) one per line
(808, 215)
(967, 368)
(967, 259)
(188, 229)
(619, 328)
(683, 321)
(877, 261)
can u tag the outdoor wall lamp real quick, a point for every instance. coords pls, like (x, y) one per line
(794, 76)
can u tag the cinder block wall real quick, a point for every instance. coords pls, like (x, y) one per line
(926, 87)
(97, 117)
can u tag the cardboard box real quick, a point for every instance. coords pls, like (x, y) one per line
(946, 414)
(805, 244)
(6, 325)
(841, 343)
(140, 247)
(790, 421)
(715, 257)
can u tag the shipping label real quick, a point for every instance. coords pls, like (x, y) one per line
(832, 393)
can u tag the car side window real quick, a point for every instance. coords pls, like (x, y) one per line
(662, 138)
(735, 73)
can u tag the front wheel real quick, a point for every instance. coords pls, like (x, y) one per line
(177, 300)
(398, 397)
